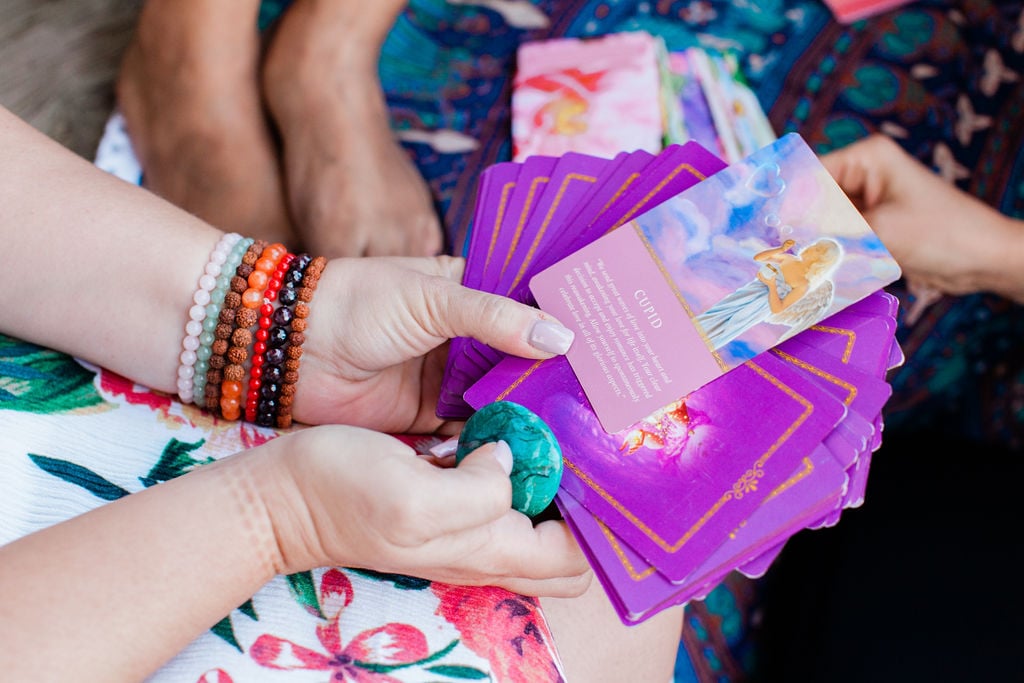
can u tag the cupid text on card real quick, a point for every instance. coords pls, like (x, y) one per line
(720, 273)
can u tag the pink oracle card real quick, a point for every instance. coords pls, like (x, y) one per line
(680, 296)
(598, 96)
(674, 484)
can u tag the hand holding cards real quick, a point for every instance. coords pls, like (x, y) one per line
(726, 383)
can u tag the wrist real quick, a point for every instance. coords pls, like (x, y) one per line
(1005, 276)
(290, 530)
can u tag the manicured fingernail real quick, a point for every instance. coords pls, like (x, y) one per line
(551, 337)
(503, 454)
(445, 448)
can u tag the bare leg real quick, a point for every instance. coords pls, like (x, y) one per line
(596, 646)
(189, 92)
(352, 189)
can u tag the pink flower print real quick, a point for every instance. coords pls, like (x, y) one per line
(215, 676)
(506, 629)
(366, 659)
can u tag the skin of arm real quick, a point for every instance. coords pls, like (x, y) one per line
(943, 238)
(105, 271)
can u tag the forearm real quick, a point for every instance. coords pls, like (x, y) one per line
(94, 266)
(123, 588)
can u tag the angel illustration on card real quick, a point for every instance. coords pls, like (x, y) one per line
(792, 288)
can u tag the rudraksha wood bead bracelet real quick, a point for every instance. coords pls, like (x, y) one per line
(241, 353)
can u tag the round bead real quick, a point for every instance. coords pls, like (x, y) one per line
(282, 316)
(272, 373)
(287, 296)
(278, 337)
(252, 298)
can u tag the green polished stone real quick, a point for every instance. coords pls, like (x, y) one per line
(536, 455)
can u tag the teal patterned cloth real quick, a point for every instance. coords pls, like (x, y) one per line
(944, 79)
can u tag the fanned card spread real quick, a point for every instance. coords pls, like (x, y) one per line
(727, 379)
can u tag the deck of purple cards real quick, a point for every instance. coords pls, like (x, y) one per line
(733, 338)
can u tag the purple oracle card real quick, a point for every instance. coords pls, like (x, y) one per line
(674, 484)
(534, 177)
(572, 177)
(676, 168)
(493, 192)
(619, 174)
(638, 590)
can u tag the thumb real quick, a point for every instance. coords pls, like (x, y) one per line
(479, 488)
(504, 323)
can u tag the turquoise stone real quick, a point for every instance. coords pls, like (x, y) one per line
(536, 455)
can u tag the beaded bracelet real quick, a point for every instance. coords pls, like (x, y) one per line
(226, 323)
(212, 320)
(296, 338)
(246, 318)
(263, 340)
(266, 402)
(197, 315)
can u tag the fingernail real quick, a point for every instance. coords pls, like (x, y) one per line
(551, 337)
(445, 448)
(503, 454)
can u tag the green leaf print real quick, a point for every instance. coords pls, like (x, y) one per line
(224, 630)
(175, 461)
(79, 476)
(37, 380)
(400, 581)
(304, 591)
(466, 673)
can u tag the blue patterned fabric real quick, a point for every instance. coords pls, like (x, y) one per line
(945, 79)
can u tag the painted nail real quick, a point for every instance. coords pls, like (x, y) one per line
(445, 448)
(503, 454)
(551, 337)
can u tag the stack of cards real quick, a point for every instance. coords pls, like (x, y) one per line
(720, 479)
(713, 105)
(531, 214)
(727, 379)
(599, 96)
(625, 91)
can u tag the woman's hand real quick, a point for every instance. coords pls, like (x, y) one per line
(373, 355)
(346, 496)
(944, 239)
